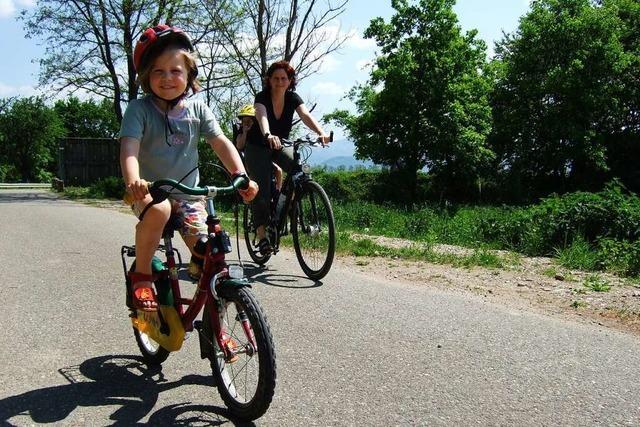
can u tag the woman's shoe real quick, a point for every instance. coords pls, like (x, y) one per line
(264, 246)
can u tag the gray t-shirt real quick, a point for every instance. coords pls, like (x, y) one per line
(164, 154)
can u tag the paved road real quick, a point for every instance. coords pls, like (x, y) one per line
(353, 350)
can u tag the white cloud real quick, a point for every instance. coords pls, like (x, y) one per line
(7, 8)
(356, 41)
(328, 88)
(328, 64)
(22, 91)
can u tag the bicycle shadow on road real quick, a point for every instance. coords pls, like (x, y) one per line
(262, 274)
(121, 381)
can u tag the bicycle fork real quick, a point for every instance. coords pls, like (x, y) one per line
(213, 327)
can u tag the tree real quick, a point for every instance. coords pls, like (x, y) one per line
(30, 132)
(426, 103)
(89, 44)
(258, 32)
(563, 89)
(87, 118)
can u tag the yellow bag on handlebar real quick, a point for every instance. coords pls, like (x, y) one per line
(149, 323)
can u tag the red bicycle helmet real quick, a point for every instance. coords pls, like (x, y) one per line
(159, 35)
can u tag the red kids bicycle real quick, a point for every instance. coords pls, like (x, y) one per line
(234, 334)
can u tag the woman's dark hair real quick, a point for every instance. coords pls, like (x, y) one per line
(280, 65)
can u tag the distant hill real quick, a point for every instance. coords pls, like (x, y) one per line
(346, 162)
(337, 154)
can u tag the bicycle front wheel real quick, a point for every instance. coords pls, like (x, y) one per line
(247, 382)
(250, 237)
(313, 230)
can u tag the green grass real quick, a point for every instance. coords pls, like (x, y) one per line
(78, 192)
(366, 247)
(537, 230)
(579, 304)
(596, 283)
(579, 255)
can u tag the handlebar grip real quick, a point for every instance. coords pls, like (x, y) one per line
(240, 181)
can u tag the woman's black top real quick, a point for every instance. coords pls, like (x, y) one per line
(280, 127)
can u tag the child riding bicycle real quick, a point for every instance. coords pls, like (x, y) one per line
(158, 139)
(247, 117)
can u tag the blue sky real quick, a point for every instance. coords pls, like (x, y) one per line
(341, 71)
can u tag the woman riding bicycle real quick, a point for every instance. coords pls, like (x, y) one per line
(274, 107)
(158, 139)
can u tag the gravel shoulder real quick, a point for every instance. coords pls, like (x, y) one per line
(534, 284)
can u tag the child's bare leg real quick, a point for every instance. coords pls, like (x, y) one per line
(261, 232)
(190, 241)
(277, 172)
(148, 234)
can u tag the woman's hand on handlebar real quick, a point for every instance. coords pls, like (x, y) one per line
(138, 189)
(325, 139)
(274, 142)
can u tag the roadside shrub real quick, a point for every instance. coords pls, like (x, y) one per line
(110, 187)
(369, 216)
(381, 187)
(608, 214)
(621, 257)
(579, 255)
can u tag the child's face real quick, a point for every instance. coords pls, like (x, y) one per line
(246, 122)
(169, 73)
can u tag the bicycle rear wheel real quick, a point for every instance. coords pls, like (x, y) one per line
(313, 230)
(246, 385)
(250, 237)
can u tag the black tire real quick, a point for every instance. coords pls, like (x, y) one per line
(313, 230)
(246, 385)
(250, 237)
(152, 352)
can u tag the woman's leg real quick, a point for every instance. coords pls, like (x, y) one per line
(258, 161)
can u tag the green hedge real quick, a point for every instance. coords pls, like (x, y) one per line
(606, 224)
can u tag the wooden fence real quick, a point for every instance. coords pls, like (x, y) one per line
(83, 161)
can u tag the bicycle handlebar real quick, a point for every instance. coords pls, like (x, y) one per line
(239, 182)
(306, 140)
(159, 194)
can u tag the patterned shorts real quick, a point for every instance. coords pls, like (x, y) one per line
(192, 212)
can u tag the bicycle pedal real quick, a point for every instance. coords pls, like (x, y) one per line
(197, 325)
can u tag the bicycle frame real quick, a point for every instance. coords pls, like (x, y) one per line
(295, 177)
(215, 274)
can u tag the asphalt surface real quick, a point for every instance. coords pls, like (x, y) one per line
(353, 349)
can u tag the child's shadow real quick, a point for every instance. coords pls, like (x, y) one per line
(123, 381)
